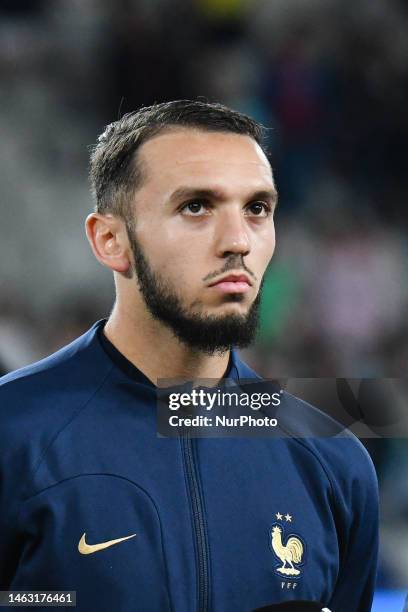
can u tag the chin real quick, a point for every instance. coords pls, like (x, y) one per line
(231, 308)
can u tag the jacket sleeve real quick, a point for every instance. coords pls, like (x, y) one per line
(13, 474)
(357, 523)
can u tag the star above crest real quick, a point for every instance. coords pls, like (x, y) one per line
(287, 517)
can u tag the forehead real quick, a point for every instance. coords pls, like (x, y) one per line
(197, 155)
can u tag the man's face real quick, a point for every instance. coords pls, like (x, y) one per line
(202, 234)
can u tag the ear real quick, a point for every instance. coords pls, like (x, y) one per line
(109, 242)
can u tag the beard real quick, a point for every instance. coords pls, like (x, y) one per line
(207, 333)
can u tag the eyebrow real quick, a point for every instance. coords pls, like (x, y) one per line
(186, 193)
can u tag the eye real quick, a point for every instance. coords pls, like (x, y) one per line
(259, 209)
(195, 208)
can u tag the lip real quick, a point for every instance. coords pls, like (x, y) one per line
(232, 278)
(232, 283)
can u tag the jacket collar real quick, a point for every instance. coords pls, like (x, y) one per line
(237, 370)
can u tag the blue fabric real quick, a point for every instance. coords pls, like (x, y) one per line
(79, 453)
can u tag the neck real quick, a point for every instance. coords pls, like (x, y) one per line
(154, 349)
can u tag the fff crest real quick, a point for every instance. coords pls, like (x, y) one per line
(288, 548)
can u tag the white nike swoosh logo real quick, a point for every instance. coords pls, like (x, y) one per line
(88, 549)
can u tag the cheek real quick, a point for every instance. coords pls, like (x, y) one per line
(174, 254)
(272, 244)
(157, 243)
(266, 243)
(177, 249)
(176, 266)
(166, 236)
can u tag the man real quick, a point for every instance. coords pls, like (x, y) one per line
(92, 500)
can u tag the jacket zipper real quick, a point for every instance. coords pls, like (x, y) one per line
(199, 522)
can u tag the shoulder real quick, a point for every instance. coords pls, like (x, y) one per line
(341, 456)
(38, 401)
(41, 396)
(82, 362)
(344, 459)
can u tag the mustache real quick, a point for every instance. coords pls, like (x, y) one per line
(234, 262)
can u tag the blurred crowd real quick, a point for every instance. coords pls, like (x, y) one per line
(328, 78)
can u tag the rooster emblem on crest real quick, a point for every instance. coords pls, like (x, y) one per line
(289, 553)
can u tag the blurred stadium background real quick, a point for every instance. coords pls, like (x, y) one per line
(331, 80)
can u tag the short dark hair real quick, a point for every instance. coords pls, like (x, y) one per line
(114, 172)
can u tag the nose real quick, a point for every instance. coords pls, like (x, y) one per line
(232, 235)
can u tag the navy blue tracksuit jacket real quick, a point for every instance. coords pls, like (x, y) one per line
(220, 524)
